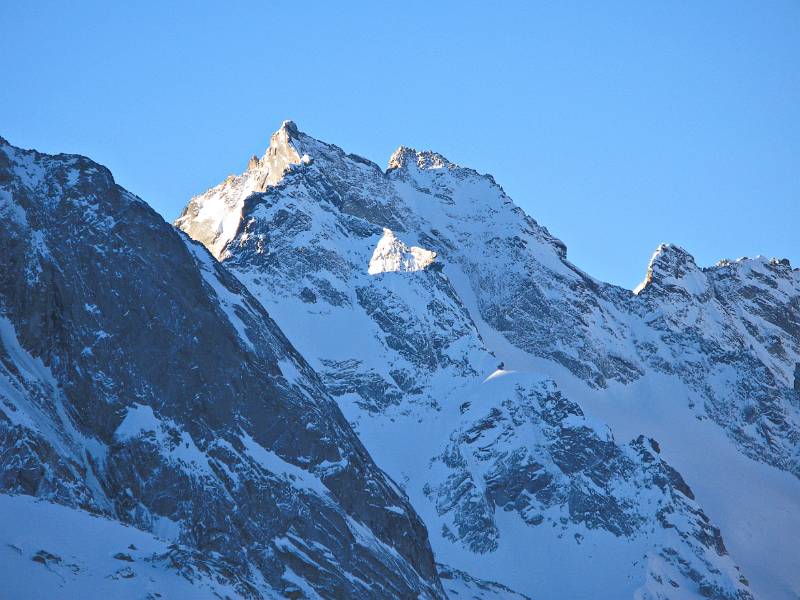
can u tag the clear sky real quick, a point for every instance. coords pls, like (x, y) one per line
(616, 125)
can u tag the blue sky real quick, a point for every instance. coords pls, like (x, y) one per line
(616, 125)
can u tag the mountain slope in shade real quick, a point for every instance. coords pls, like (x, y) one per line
(52, 551)
(141, 383)
(537, 476)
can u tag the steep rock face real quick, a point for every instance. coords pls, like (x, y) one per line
(542, 502)
(729, 332)
(141, 381)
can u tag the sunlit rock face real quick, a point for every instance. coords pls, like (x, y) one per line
(405, 288)
(213, 218)
(140, 381)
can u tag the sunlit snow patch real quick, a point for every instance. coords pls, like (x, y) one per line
(393, 255)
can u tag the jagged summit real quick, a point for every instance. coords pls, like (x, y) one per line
(780, 263)
(290, 127)
(405, 157)
(671, 265)
(213, 217)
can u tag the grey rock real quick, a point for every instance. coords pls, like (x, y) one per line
(141, 381)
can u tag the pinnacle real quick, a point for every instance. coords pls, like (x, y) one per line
(290, 127)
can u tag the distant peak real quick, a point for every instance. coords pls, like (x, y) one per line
(285, 149)
(400, 157)
(213, 217)
(672, 266)
(782, 262)
(405, 157)
(779, 263)
(672, 256)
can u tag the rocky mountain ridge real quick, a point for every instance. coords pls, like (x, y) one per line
(407, 352)
(140, 382)
(218, 418)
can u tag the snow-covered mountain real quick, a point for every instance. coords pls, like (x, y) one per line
(159, 435)
(632, 444)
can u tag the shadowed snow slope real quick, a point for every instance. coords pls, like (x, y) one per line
(405, 288)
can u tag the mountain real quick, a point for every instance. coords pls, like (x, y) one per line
(159, 435)
(557, 434)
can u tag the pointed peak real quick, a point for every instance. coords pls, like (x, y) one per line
(672, 266)
(287, 147)
(291, 146)
(213, 218)
(290, 127)
(400, 157)
(672, 255)
(286, 134)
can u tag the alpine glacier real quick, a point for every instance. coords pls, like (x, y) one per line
(557, 434)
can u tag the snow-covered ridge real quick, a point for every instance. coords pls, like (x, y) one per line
(673, 266)
(393, 255)
(406, 357)
(514, 400)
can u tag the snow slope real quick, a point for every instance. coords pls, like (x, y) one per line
(52, 551)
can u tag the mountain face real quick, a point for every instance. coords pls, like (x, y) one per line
(141, 383)
(557, 434)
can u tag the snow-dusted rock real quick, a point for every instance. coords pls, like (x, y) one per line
(557, 505)
(140, 381)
